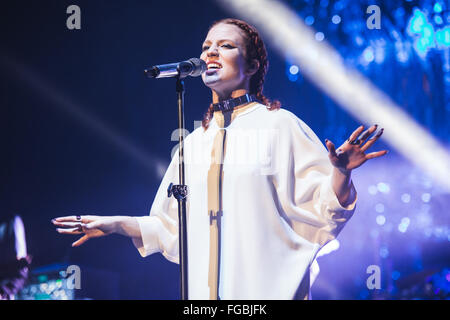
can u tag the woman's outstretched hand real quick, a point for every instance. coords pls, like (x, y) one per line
(89, 226)
(352, 153)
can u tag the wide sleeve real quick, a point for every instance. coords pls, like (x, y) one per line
(303, 182)
(159, 230)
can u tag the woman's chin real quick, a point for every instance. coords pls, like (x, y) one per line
(211, 81)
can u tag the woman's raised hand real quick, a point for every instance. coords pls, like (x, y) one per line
(89, 226)
(352, 153)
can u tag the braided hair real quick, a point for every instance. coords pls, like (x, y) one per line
(254, 49)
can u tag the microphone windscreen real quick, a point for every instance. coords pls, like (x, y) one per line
(152, 72)
(199, 66)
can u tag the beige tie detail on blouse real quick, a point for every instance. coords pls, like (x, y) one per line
(215, 179)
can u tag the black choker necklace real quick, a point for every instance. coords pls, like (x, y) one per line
(230, 104)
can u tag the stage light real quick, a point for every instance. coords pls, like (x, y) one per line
(381, 220)
(441, 232)
(383, 187)
(43, 286)
(399, 12)
(294, 69)
(438, 19)
(325, 67)
(443, 37)
(437, 7)
(426, 197)
(368, 56)
(309, 20)
(324, 3)
(379, 45)
(420, 46)
(425, 41)
(339, 5)
(384, 252)
(336, 19)
(292, 73)
(403, 226)
(416, 22)
(402, 56)
(423, 32)
(359, 40)
(293, 77)
(406, 197)
(428, 34)
(447, 81)
(319, 36)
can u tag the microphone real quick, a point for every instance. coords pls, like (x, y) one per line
(192, 67)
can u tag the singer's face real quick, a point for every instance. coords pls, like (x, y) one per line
(223, 52)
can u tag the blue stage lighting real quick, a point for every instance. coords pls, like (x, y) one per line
(437, 7)
(417, 22)
(426, 197)
(381, 220)
(293, 69)
(336, 19)
(406, 197)
(443, 36)
(383, 187)
(309, 20)
(428, 34)
(293, 77)
(379, 207)
(395, 275)
(320, 36)
(373, 190)
(384, 252)
(324, 3)
(438, 19)
(292, 72)
(339, 5)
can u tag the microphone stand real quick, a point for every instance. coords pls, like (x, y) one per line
(180, 193)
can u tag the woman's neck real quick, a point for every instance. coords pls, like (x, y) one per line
(225, 96)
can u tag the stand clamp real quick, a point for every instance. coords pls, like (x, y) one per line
(179, 191)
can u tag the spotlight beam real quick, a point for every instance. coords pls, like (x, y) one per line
(323, 65)
(150, 162)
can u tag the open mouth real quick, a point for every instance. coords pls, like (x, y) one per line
(214, 66)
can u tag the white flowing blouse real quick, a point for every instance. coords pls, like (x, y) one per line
(279, 207)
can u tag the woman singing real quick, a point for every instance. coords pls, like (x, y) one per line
(264, 194)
